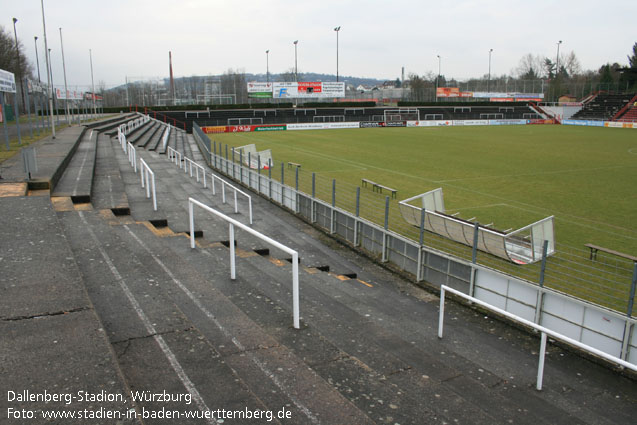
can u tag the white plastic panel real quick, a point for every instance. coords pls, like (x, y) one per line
(490, 298)
(523, 293)
(561, 326)
(492, 282)
(564, 308)
(604, 323)
(601, 342)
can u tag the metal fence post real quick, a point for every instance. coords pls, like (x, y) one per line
(270, 178)
(4, 122)
(332, 226)
(474, 253)
(631, 300)
(629, 312)
(296, 189)
(474, 258)
(312, 205)
(16, 113)
(358, 210)
(227, 168)
(540, 293)
(282, 178)
(241, 166)
(234, 174)
(421, 241)
(26, 92)
(259, 174)
(386, 226)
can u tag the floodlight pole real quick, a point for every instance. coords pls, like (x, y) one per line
(296, 68)
(17, 52)
(489, 80)
(337, 29)
(37, 60)
(557, 62)
(267, 65)
(66, 89)
(48, 72)
(438, 77)
(90, 54)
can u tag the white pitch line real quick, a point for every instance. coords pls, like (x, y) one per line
(170, 356)
(227, 333)
(539, 173)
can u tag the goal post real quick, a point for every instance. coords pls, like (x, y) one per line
(401, 114)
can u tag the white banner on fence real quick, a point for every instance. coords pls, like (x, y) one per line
(429, 123)
(7, 81)
(323, 125)
(470, 122)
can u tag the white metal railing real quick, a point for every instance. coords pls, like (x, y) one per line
(542, 329)
(188, 164)
(232, 223)
(165, 138)
(132, 155)
(192, 164)
(146, 172)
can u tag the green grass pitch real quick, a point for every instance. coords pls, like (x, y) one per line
(510, 176)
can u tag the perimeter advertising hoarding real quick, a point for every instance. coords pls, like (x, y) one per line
(260, 90)
(36, 86)
(7, 81)
(429, 123)
(311, 90)
(70, 95)
(493, 96)
(323, 125)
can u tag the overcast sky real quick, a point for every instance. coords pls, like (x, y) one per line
(132, 37)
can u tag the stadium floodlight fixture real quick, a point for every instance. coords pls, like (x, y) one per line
(337, 29)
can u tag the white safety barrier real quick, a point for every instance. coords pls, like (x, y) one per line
(177, 158)
(232, 223)
(132, 155)
(146, 172)
(165, 138)
(542, 329)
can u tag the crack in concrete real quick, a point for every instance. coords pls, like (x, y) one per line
(43, 315)
(134, 338)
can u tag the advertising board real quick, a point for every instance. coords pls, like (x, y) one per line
(7, 81)
(429, 123)
(470, 122)
(308, 89)
(323, 125)
(260, 90)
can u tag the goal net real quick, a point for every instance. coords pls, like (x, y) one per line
(401, 114)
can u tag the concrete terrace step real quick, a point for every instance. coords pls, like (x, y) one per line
(52, 156)
(157, 346)
(108, 188)
(77, 180)
(270, 370)
(52, 339)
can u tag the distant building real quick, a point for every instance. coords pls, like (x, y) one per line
(567, 98)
